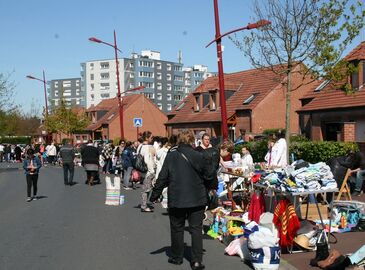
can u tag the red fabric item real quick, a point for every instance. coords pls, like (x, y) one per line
(257, 207)
(255, 178)
(287, 222)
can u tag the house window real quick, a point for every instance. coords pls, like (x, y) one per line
(168, 66)
(197, 103)
(92, 77)
(104, 76)
(55, 93)
(159, 86)
(168, 96)
(168, 77)
(159, 105)
(205, 99)
(158, 65)
(180, 106)
(355, 80)
(91, 66)
(178, 78)
(159, 96)
(177, 68)
(168, 87)
(92, 86)
(131, 75)
(104, 65)
(106, 95)
(249, 99)
(55, 84)
(169, 107)
(159, 76)
(104, 86)
(212, 101)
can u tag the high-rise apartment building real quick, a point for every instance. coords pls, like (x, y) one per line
(164, 81)
(193, 76)
(69, 90)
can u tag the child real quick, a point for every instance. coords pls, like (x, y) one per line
(31, 166)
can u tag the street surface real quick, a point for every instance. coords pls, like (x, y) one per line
(72, 228)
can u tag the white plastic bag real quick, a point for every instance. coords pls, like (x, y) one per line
(112, 190)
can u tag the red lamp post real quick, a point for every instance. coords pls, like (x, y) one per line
(120, 103)
(45, 96)
(44, 86)
(218, 40)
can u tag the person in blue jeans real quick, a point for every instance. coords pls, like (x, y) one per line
(127, 162)
(31, 166)
(359, 162)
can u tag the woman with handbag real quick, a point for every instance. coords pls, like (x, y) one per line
(182, 173)
(147, 151)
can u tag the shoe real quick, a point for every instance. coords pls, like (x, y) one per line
(127, 188)
(197, 266)
(146, 210)
(175, 261)
(356, 193)
(35, 198)
(29, 199)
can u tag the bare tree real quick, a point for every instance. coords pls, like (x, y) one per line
(310, 33)
(7, 88)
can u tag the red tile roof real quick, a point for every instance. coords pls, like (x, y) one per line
(335, 99)
(244, 84)
(358, 53)
(330, 97)
(110, 105)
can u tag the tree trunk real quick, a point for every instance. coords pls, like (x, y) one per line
(287, 112)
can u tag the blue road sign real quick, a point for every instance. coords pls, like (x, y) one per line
(137, 122)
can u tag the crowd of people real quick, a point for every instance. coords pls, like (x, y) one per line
(180, 172)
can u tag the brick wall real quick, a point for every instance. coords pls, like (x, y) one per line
(348, 133)
(153, 120)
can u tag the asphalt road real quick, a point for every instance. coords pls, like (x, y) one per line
(72, 228)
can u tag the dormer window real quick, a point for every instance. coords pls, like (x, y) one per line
(197, 102)
(213, 102)
(249, 99)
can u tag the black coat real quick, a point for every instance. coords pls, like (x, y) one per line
(90, 155)
(185, 184)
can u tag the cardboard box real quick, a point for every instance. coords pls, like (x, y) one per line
(313, 211)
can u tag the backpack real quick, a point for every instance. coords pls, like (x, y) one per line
(140, 164)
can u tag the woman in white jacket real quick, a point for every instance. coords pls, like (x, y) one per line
(279, 156)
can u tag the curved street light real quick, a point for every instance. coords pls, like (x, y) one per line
(120, 103)
(44, 86)
(218, 40)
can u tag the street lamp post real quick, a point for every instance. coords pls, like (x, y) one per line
(218, 40)
(45, 95)
(120, 103)
(44, 86)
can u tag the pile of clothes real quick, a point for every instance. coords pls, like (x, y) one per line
(313, 177)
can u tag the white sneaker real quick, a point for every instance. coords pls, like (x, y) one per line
(35, 198)
(127, 188)
(29, 199)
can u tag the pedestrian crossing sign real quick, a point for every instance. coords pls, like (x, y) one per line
(137, 122)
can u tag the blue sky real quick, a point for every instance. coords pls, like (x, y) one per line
(53, 35)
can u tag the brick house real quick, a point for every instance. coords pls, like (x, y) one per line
(329, 113)
(255, 101)
(105, 118)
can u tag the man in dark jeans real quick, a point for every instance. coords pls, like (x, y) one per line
(67, 154)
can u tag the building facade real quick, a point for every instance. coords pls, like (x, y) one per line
(99, 80)
(166, 83)
(69, 90)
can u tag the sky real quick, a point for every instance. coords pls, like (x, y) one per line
(52, 35)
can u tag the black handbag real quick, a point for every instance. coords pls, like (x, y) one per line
(140, 164)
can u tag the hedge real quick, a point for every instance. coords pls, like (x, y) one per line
(15, 139)
(311, 151)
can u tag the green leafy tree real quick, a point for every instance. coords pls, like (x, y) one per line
(307, 37)
(65, 120)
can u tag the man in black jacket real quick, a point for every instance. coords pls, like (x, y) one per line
(212, 154)
(67, 154)
(182, 172)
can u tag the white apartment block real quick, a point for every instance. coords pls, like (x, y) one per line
(100, 80)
